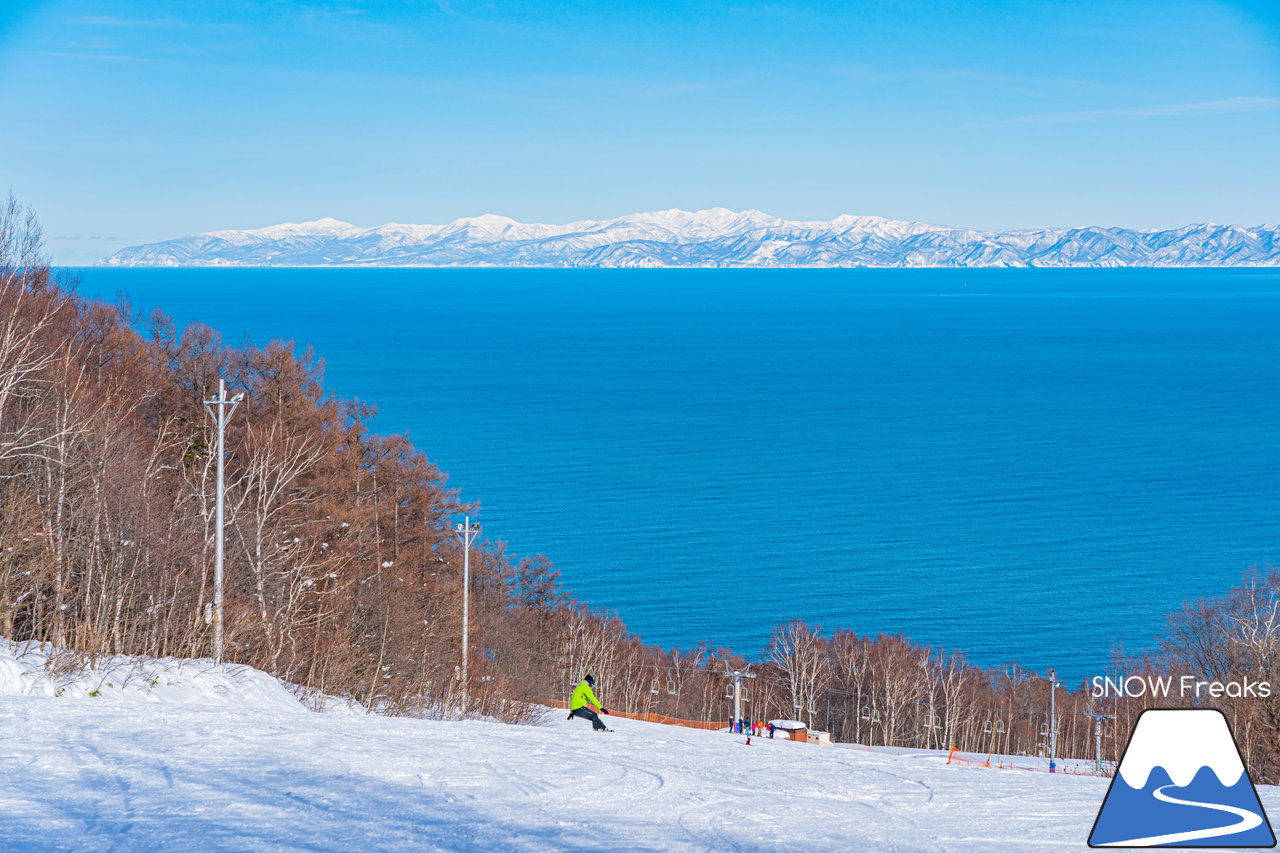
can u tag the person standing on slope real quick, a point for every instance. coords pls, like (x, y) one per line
(585, 704)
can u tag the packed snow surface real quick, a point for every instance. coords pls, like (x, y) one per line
(84, 773)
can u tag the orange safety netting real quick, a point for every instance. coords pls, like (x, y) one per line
(976, 760)
(660, 718)
(956, 757)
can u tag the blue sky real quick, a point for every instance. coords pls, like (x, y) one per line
(128, 122)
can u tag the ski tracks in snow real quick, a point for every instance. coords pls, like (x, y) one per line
(84, 775)
(113, 808)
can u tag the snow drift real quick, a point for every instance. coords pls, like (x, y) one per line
(41, 669)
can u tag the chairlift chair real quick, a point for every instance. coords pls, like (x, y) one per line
(654, 687)
(999, 728)
(986, 727)
(671, 687)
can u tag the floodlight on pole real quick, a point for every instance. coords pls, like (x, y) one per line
(466, 533)
(220, 409)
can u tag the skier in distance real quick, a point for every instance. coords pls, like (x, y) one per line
(585, 704)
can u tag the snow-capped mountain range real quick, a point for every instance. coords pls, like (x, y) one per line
(709, 238)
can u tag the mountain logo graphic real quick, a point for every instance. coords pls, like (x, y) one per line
(1181, 783)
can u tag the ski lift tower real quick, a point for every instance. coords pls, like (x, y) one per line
(737, 677)
(1054, 684)
(1098, 717)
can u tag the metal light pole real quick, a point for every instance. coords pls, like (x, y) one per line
(1053, 719)
(466, 533)
(224, 410)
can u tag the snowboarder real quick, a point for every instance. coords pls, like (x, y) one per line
(585, 704)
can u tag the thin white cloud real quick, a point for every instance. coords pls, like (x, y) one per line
(892, 74)
(113, 21)
(67, 55)
(453, 167)
(1226, 105)
(662, 90)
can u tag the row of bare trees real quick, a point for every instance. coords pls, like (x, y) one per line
(887, 690)
(1233, 640)
(881, 690)
(342, 571)
(344, 575)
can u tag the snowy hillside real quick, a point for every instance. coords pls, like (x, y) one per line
(249, 771)
(707, 238)
(36, 669)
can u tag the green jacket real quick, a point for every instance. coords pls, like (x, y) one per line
(582, 696)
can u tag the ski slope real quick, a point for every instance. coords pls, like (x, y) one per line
(135, 772)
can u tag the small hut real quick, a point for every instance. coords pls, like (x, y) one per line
(793, 729)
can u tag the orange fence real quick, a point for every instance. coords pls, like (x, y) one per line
(660, 718)
(976, 760)
(954, 757)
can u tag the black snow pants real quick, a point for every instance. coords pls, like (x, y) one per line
(588, 714)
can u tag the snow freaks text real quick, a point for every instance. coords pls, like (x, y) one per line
(1186, 687)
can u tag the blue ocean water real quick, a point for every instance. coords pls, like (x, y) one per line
(1030, 465)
